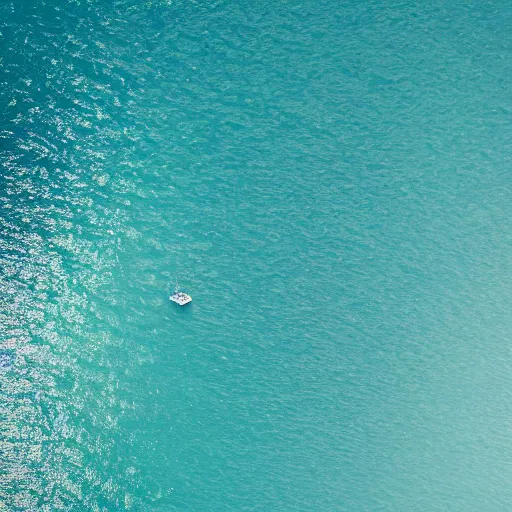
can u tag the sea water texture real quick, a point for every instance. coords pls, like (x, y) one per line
(330, 181)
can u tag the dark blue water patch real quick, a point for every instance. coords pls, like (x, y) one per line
(7, 359)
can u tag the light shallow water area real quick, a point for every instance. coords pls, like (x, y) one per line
(331, 184)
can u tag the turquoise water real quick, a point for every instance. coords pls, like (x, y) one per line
(330, 182)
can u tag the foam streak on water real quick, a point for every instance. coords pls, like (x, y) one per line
(330, 183)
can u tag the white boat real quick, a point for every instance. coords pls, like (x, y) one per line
(180, 297)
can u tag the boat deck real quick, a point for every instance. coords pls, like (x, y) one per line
(180, 298)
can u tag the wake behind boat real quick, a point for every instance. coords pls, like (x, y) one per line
(180, 297)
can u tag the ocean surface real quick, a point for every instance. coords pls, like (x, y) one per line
(330, 181)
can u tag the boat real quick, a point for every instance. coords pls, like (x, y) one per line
(180, 297)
